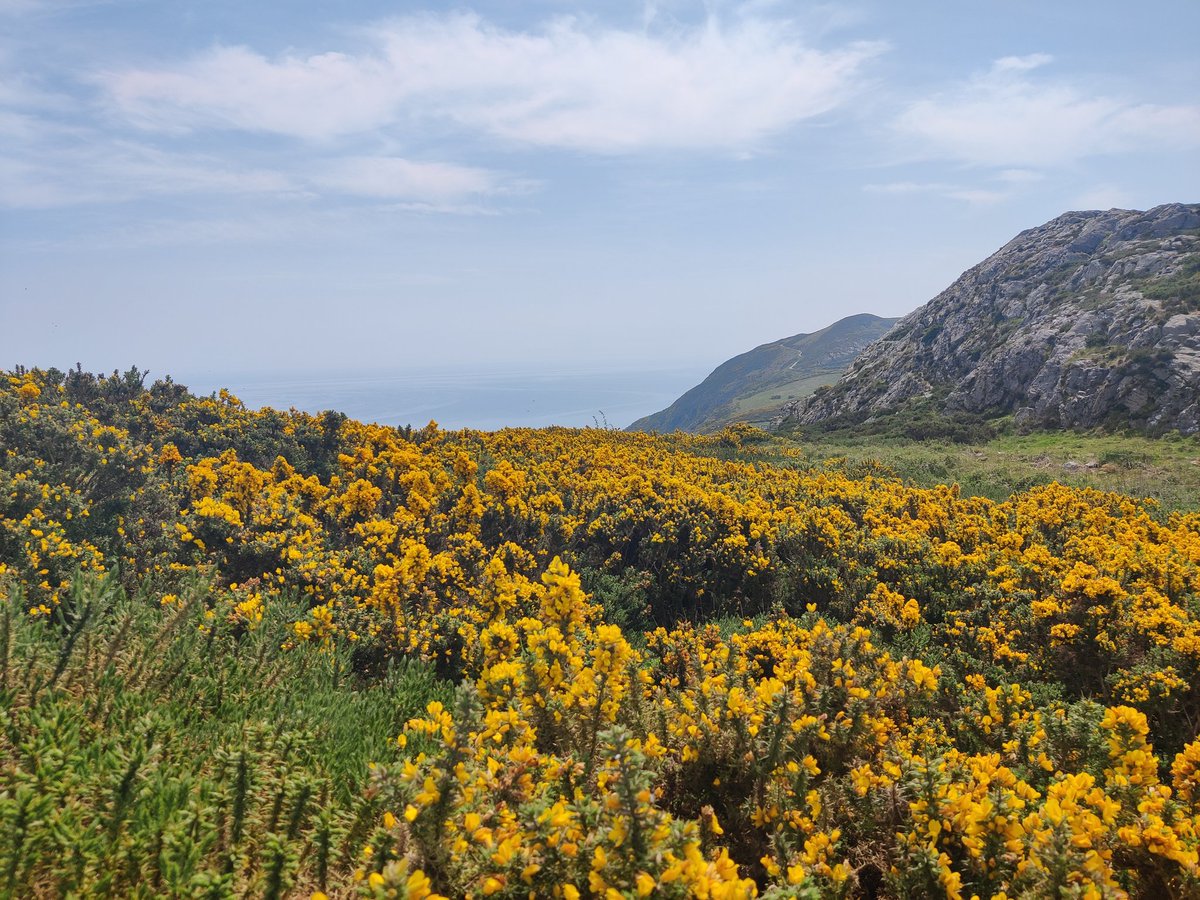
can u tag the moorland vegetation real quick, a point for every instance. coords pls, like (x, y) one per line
(265, 653)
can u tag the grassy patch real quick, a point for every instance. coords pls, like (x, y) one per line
(160, 750)
(772, 399)
(1181, 292)
(1165, 469)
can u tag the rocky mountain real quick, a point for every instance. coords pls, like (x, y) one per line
(1092, 319)
(753, 386)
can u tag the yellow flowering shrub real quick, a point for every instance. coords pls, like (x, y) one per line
(927, 694)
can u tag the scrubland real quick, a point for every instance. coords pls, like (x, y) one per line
(263, 653)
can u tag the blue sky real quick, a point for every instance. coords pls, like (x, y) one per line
(212, 186)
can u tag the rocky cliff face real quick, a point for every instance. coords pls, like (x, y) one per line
(1091, 319)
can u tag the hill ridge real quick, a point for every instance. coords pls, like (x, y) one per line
(753, 385)
(1090, 319)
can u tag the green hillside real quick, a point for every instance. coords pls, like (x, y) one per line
(754, 386)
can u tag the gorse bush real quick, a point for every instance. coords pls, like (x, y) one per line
(215, 619)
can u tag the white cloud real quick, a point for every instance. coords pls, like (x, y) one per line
(1022, 63)
(44, 176)
(24, 185)
(977, 196)
(1007, 117)
(1019, 176)
(394, 178)
(123, 171)
(572, 83)
(47, 163)
(162, 172)
(233, 87)
(974, 195)
(192, 232)
(904, 187)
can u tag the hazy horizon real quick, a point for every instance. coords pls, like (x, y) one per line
(484, 397)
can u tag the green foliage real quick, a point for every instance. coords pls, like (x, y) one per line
(211, 734)
(158, 750)
(1165, 469)
(624, 595)
(751, 386)
(920, 420)
(1180, 293)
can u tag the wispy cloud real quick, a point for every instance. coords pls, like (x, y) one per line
(394, 178)
(974, 195)
(80, 173)
(55, 161)
(571, 83)
(120, 171)
(1022, 63)
(253, 227)
(1015, 115)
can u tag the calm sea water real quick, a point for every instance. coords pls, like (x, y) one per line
(482, 399)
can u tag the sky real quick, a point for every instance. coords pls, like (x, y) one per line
(262, 187)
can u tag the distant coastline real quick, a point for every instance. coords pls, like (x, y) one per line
(484, 398)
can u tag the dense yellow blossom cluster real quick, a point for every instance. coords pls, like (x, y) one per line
(927, 694)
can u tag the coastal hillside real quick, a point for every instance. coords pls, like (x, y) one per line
(753, 386)
(255, 653)
(1092, 319)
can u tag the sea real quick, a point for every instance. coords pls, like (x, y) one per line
(483, 398)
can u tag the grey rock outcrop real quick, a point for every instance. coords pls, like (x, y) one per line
(1091, 319)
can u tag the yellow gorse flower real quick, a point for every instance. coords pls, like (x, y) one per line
(912, 682)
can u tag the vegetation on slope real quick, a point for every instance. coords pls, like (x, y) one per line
(1001, 463)
(790, 679)
(754, 386)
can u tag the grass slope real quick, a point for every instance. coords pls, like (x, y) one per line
(1165, 469)
(754, 386)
